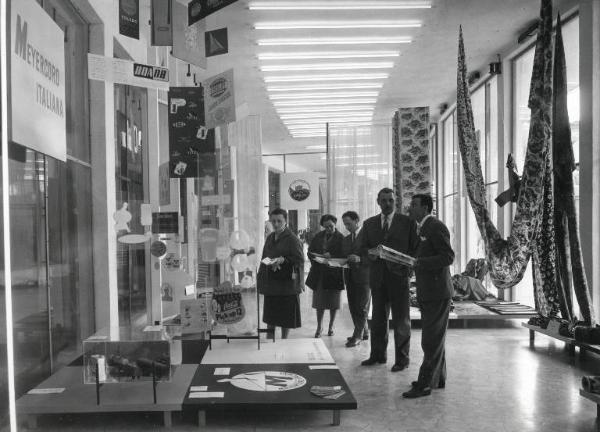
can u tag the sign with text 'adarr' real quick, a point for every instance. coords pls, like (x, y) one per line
(37, 80)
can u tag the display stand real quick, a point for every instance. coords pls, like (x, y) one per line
(594, 397)
(570, 343)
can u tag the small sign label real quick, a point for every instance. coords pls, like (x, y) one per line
(150, 72)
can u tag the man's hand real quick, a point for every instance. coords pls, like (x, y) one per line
(353, 258)
(327, 255)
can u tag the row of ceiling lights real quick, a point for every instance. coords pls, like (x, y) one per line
(347, 95)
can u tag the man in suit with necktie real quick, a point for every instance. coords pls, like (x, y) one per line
(357, 280)
(434, 293)
(389, 281)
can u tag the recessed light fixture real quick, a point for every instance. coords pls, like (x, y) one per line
(323, 95)
(335, 41)
(332, 115)
(325, 109)
(327, 55)
(327, 66)
(327, 77)
(323, 102)
(289, 25)
(362, 164)
(338, 5)
(343, 86)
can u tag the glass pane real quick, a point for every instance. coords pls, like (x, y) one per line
(28, 258)
(131, 108)
(3, 348)
(448, 128)
(492, 147)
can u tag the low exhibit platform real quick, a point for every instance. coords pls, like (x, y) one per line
(65, 393)
(570, 343)
(594, 397)
(279, 376)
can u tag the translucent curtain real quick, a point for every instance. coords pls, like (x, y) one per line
(359, 165)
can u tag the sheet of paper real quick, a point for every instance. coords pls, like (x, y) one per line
(198, 389)
(43, 391)
(153, 328)
(222, 371)
(205, 395)
(317, 367)
(268, 261)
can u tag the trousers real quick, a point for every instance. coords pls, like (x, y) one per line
(434, 322)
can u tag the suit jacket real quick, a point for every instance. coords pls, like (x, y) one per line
(357, 273)
(330, 278)
(435, 255)
(288, 280)
(401, 236)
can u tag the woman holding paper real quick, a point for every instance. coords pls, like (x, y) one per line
(325, 277)
(280, 276)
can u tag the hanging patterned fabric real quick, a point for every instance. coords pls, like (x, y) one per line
(508, 258)
(568, 247)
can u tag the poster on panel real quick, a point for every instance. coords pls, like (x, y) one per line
(37, 80)
(191, 143)
(162, 23)
(129, 18)
(199, 9)
(299, 191)
(219, 99)
(216, 42)
(188, 41)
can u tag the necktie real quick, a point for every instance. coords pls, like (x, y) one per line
(353, 237)
(385, 224)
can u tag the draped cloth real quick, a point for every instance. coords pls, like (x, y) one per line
(508, 258)
(568, 247)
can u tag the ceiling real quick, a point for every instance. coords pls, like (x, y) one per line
(423, 74)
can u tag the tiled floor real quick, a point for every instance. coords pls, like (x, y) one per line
(496, 383)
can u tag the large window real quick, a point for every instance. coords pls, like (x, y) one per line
(522, 70)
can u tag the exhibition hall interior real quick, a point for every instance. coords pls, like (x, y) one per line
(256, 215)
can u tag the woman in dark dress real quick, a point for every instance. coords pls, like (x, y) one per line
(326, 282)
(281, 280)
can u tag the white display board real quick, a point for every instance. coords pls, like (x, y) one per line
(299, 191)
(121, 71)
(37, 80)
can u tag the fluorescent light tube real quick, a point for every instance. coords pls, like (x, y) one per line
(338, 5)
(323, 95)
(334, 41)
(326, 66)
(289, 25)
(319, 147)
(326, 115)
(343, 86)
(362, 164)
(327, 77)
(323, 102)
(327, 55)
(323, 121)
(325, 109)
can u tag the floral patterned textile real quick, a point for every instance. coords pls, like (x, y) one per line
(568, 247)
(508, 258)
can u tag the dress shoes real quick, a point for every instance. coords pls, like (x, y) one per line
(441, 384)
(352, 342)
(330, 332)
(371, 361)
(417, 392)
(366, 336)
(318, 334)
(399, 367)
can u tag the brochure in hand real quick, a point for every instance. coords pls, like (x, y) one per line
(331, 262)
(392, 255)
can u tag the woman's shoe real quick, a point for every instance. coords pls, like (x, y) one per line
(318, 334)
(330, 332)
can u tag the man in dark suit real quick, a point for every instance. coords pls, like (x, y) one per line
(389, 281)
(434, 293)
(357, 280)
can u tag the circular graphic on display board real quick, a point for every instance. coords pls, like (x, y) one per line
(267, 381)
(299, 190)
(158, 249)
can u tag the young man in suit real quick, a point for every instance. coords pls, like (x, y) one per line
(434, 293)
(357, 280)
(389, 281)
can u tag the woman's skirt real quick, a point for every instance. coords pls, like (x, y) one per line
(282, 311)
(326, 298)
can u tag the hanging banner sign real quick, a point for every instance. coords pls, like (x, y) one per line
(199, 9)
(299, 191)
(37, 80)
(216, 42)
(129, 18)
(162, 28)
(219, 99)
(121, 71)
(188, 40)
(191, 143)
